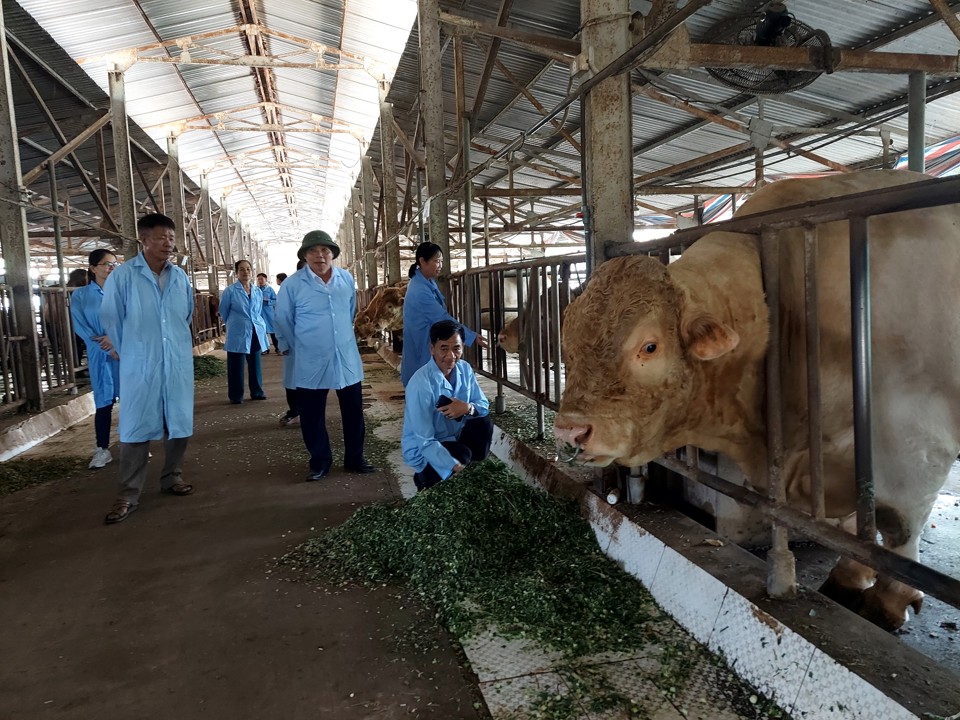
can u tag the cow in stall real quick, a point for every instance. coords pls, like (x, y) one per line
(659, 357)
(384, 312)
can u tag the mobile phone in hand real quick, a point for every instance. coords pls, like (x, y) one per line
(444, 401)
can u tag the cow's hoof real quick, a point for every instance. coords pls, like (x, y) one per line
(850, 597)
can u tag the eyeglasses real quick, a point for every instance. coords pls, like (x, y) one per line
(108, 264)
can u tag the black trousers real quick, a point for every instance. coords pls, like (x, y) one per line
(292, 410)
(313, 425)
(473, 445)
(235, 363)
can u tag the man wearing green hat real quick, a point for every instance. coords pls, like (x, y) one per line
(314, 318)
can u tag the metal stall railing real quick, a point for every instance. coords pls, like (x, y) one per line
(206, 318)
(11, 363)
(525, 300)
(857, 209)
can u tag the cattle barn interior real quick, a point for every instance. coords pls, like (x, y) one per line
(532, 141)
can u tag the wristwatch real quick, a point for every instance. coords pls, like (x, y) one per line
(471, 410)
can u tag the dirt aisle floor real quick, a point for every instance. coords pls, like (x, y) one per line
(180, 612)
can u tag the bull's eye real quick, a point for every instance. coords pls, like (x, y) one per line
(648, 349)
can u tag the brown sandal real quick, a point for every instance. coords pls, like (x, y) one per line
(121, 511)
(179, 488)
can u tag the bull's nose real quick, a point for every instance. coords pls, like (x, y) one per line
(576, 435)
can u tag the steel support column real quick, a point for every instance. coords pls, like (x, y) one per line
(213, 281)
(122, 158)
(391, 215)
(177, 199)
(431, 108)
(916, 123)
(226, 238)
(14, 241)
(355, 209)
(607, 147)
(369, 230)
(467, 192)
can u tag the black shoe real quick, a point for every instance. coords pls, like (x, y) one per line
(259, 397)
(236, 402)
(362, 467)
(317, 474)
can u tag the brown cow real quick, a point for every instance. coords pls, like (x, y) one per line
(660, 357)
(385, 311)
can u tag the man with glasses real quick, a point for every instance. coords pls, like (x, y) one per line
(446, 425)
(314, 317)
(146, 312)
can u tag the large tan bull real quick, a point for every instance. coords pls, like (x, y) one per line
(384, 312)
(664, 356)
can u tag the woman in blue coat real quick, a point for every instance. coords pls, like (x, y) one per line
(241, 306)
(423, 306)
(269, 303)
(103, 361)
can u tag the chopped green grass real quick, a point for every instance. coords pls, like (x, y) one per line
(19, 474)
(486, 548)
(207, 366)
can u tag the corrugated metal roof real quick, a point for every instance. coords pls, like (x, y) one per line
(381, 35)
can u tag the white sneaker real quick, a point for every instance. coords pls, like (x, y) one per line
(101, 456)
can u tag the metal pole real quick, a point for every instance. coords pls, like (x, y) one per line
(15, 245)
(812, 309)
(123, 162)
(176, 195)
(213, 281)
(431, 108)
(421, 231)
(355, 209)
(369, 231)
(916, 114)
(227, 244)
(391, 219)
(57, 234)
(467, 194)
(781, 564)
(862, 377)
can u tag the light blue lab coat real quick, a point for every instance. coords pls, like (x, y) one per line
(423, 306)
(104, 370)
(242, 315)
(152, 334)
(316, 319)
(269, 303)
(424, 427)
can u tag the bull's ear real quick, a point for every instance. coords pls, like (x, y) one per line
(707, 338)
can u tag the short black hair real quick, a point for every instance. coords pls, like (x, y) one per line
(281, 277)
(262, 275)
(236, 265)
(444, 330)
(152, 220)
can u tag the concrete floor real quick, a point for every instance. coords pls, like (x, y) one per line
(180, 610)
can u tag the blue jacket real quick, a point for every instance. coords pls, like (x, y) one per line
(269, 303)
(423, 306)
(104, 370)
(425, 427)
(152, 334)
(242, 316)
(315, 320)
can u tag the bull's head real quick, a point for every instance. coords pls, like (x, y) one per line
(633, 343)
(363, 326)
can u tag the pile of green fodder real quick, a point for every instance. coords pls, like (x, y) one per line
(485, 549)
(207, 366)
(19, 474)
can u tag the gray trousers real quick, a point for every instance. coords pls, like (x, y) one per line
(133, 466)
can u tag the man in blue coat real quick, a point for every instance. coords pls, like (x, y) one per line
(147, 312)
(314, 318)
(446, 425)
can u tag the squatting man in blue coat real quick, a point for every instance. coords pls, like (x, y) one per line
(446, 424)
(314, 317)
(147, 310)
